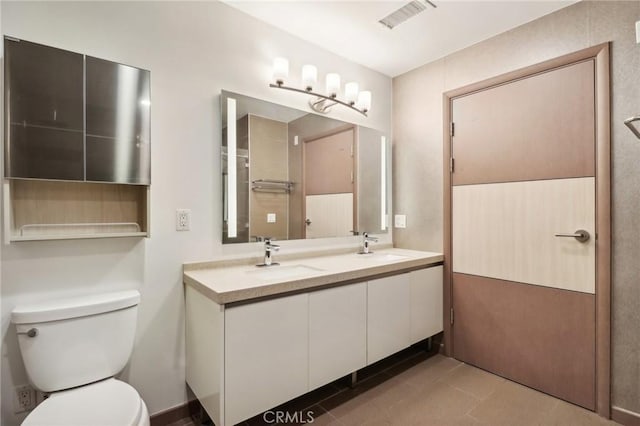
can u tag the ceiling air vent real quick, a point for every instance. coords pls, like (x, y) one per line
(405, 12)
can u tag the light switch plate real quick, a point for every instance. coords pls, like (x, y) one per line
(400, 221)
(271, 218)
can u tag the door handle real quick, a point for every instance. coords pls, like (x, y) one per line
(308, 222)
(580, 235)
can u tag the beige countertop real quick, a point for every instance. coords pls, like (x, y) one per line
(238, 280)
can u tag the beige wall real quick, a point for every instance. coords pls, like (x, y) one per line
(418, 127)
(268, 161)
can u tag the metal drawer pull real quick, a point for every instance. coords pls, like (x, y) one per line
(580, 235)
(32, 332)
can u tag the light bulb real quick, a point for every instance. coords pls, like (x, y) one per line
(364, 100)
(280, 70)
(351, 92)
(333, 84)
(309, 77)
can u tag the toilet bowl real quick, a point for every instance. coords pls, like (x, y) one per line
(108, 402)
(72, 349)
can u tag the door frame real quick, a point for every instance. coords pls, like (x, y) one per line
(334, 131)
(600, 55)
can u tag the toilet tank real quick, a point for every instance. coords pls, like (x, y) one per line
(71, 342)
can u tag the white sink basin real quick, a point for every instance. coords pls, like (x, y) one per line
(384, 257)
(277, 272)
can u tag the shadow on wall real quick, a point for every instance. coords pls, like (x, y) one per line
(141, 372)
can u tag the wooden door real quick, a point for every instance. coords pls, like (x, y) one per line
(329, 182)
(523, 173)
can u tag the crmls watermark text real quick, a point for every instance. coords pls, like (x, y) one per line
(298, 417)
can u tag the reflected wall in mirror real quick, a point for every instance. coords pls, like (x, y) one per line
(290, 174)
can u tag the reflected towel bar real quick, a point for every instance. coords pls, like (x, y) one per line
(269, 185)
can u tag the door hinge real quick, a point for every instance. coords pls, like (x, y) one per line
(452, 165)
(451, 316)
(452, 129)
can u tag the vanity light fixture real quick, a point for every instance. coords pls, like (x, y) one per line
(357, 101)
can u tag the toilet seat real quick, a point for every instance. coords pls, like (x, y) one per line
(108, 402)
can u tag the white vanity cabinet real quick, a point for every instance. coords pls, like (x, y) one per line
(246, 357)
(388, 316)
(337, 333)
(426, 303)
(266, 355)
(402, 310)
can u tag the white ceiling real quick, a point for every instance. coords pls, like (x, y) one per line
(351, 29)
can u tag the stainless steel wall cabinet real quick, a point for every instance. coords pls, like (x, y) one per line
(74, 117)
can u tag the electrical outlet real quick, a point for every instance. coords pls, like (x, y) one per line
(183, 220)
(400, 221)
(25, 399)
(271, 218)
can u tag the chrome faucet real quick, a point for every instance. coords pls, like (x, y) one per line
(366, 239)
(268, 248)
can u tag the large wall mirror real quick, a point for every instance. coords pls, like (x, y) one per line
(290, 174)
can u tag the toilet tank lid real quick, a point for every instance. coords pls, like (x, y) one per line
(74, 307)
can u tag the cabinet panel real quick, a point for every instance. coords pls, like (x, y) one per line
(426, 303)
(44, 153)
(44, 115)
(109, 160)
(204, 337)
(118, 122)
(388, 316)
(266, 355)
(337, 333)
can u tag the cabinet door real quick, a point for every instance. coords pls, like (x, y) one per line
(337, 333)
(388, 316)
(426, 303)
(266, 355)
(44, 121)
(118, 122)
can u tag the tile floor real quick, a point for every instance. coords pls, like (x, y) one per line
(416, 388)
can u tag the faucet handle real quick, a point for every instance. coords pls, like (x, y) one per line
(366, 237)
(269, 244)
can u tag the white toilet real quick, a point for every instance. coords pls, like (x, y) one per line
(72, 348)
